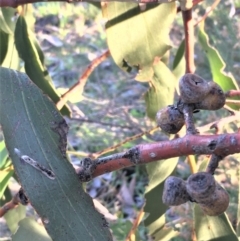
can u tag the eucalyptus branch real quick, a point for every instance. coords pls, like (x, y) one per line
(194, 2)
(218, 125)
(132, 138)
(235, 102)
(214, 5)
(79, 86)
(19, 197)
(188, 117)
(232, 93)
(135, 225)
(220, 145)
(213, 163)
(189, 40)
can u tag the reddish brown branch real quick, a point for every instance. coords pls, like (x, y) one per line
(19, 197)
(221, 145)
(213, 163)
(195, 2)
(135, 225)
(132, 138)
(189, 120)
(232, 93)
(219, 124)
(79, 86)
(8, 206)
(189, 40)
(214, 5)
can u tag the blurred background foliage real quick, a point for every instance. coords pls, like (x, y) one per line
(113, 107)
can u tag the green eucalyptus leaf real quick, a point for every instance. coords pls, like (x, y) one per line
(7, 196)
(158, 231)
(179, 63)
(180, 54)
(3, 45)
(39, 53)
(5, 175)
(161, 91)
(13, 216)
(155, 221)
(7, 19)
(145, 44)
(136, 38)
(33, 127)
(121, 228)
(3, 155)
(30, 230)
(158, 172)
(34, 68)
(216, 228)
(217, 65)
(11, 59)
(165, 234)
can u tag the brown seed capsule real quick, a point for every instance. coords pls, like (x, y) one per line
(214, 100)
(193, 88)
(170, 119)
(200, 186)
(210, 196)
(218, 204)
(174, 191)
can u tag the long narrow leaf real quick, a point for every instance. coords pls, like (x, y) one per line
(7, 20)
(33, 62)
(4, 179)
(13, 216)
(144, 34)
(3, 154)
(213, 228)
(30, 230)
(33, 127)
(217, 65)
(157, 172)
(161, 91)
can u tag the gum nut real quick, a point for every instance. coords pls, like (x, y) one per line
(170, 120)
(174, 191)
(214, 100)
(200, 186)
(217, 204)
(193, 88)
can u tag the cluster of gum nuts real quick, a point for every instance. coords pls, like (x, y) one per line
(195, 92)
(200, 187)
